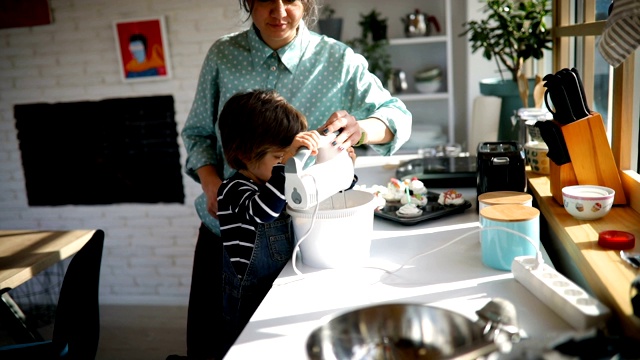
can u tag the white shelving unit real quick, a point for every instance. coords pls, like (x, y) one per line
(411, 55)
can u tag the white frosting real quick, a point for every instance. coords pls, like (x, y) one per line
(419, 199)
(417, 186)
(450, 197)
(395, 190)
(378, 192)
(409, 210)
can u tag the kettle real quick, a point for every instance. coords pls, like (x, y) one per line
(419, 24)
(397, 83)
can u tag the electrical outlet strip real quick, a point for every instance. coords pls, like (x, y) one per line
(567, 299)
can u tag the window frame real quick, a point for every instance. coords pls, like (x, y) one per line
(623, 110)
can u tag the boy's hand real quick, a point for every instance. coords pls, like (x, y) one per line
(308, 139)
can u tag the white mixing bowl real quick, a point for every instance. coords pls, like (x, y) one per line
(341, 234)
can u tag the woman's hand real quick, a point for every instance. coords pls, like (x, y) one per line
(350, 129)
(210, 182)
(352, 154)
(376, 130)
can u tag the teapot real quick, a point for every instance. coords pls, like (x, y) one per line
(419, 24)
(398, 82)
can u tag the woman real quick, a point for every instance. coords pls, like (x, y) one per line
(321, 77)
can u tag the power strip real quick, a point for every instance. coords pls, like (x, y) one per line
(567, 299)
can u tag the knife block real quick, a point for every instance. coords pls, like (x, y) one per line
(592, 161)
(559, 177)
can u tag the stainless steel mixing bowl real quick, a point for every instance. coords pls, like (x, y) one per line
(399, 331)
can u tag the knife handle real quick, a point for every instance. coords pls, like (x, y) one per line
(581, 86)
(563, 113)
(575, 95)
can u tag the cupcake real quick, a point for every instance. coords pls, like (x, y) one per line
(419, 199)
(417, 187)
(395, 191)
(450, 197)
(409, 211)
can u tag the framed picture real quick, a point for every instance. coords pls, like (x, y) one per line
(24, 13)
(143, 52)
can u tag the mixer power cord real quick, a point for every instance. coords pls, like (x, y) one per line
(539, 258)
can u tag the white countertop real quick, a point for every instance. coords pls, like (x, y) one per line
(436, 270)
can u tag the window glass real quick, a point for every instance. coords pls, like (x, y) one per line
(601, 70)
(602, 9)
(601, 86)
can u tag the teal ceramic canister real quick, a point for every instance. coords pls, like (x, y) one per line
(500, 246)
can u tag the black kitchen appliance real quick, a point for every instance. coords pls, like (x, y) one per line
(501, 167)
(440, 171)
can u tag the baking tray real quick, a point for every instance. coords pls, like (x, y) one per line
(433, 210)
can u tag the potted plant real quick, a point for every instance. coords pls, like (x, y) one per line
(329, 25)
(512, 32)
(373, 43)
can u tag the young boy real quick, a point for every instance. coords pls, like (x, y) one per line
(259, 132)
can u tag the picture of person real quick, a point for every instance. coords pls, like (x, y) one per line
(143, 62)
(142, 49)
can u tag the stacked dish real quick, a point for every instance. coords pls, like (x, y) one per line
(429, 81)
(536, 153)
(587, 202)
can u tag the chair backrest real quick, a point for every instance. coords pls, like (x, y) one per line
(77, 323)
(485, 121)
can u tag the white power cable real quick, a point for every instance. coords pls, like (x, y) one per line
(306, 234)
(539, 257)
(538, 252)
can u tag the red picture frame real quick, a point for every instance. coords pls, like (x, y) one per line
(143, 51)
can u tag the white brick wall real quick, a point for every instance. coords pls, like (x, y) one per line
(149, 248)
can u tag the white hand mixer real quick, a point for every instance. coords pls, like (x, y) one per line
(332, 172)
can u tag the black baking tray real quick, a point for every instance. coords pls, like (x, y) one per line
(433, 210)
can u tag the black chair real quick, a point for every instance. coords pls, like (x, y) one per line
(76, 330)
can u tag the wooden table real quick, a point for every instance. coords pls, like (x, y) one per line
(604, 272)
(23, 255)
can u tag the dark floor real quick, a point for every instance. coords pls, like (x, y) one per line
(130, 332)
(142, 332)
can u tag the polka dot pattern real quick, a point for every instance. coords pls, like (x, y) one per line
(316, 74)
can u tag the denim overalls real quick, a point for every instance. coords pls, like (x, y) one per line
(272, 250)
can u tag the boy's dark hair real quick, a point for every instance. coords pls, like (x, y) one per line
(255, 122)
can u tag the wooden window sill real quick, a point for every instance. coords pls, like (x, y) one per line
(607, 275)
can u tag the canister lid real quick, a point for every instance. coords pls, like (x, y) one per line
(509, 213)
(505, 197)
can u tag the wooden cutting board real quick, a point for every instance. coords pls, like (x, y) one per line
(591, 155)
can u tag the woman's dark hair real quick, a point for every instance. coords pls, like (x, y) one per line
(310, 16)
(255, 122)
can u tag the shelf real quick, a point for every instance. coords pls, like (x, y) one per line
(412, 55)
(418, 40)
(605, 274)
(421, 97)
